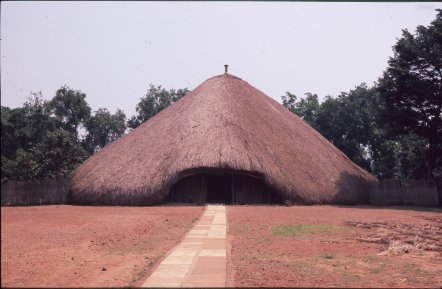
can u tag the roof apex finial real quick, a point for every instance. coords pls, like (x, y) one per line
(226, 67)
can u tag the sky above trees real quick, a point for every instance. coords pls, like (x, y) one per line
(112, 51)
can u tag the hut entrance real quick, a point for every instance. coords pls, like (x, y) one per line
(228, 187)
(219, 189)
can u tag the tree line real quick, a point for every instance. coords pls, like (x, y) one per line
(49, 139)
(393, 128)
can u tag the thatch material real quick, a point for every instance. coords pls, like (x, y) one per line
(223, 123)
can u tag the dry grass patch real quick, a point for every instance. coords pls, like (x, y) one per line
(399, 238)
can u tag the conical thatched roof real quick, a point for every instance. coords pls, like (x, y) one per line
(223, 123)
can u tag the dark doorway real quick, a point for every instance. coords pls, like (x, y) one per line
(222, 186)
(219, 189)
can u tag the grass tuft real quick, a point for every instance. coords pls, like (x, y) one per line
(307, 229)
(328, 256)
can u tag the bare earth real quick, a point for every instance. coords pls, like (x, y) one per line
(331, 246)
(314, 246)
(75, 246)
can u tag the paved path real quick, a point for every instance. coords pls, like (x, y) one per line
(200, 259)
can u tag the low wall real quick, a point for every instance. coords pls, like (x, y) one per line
(19, 193)
(393, 192)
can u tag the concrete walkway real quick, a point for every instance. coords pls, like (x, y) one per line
(200, 259)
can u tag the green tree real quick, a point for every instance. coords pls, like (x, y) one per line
(11, 121)
(70, 109)
(56, 156)
(306, 108)
(21, 129)
(59, 154)
(103, 128)
(353, 123)
(155, 100)
(412, 88)
(399, 156)
(34, 144)
(350, 122)
(26, 165)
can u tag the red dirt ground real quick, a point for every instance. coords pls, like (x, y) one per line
(331, 246)
(75, 246)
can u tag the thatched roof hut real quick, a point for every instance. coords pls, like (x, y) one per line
(225, 135)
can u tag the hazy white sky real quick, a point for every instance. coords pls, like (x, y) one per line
(112, 51)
